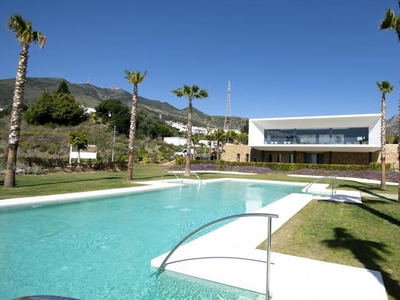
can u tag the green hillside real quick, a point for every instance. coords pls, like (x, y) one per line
(90, 95)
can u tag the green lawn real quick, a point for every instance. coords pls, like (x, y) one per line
(48, 184)
(365, 235)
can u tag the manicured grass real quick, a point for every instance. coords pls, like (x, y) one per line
(48, 184)
(360, 235)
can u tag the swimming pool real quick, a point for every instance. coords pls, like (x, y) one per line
(102, 249)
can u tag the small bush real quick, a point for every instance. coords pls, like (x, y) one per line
(180, 160)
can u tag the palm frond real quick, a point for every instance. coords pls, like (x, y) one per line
(178, 92)
(38, 37)
(24, 32)
(203, 94)
(187, 89)
(128, 74)
(135, 78)
(195, 89)
(190, 92)
(389, 21)
(397, 27)
(16, 23)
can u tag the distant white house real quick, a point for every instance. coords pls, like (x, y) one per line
(183, 127)
(174, 140)
(89, 110)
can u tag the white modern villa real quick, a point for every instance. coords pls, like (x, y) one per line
(339, 139)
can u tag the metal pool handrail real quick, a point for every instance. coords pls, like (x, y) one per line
(190, 172)
(181, 179)
(177, 177)
(195, 174)
(333, 183)
(161, 268)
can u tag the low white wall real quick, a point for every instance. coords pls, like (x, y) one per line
(83, 154)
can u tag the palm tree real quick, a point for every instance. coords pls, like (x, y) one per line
(220, 136)
(195, 141)
(231, 137)
(25, 36)
(207, 121)
(190, 92)
(214, 120)
(243, 138)
(227, 123)
(135, 79)
(239, 122)
(391, 21)
(384, 87)
(210, 138)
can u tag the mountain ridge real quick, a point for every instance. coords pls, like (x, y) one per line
(90, 95)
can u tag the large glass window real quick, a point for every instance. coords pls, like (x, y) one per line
(354, 135)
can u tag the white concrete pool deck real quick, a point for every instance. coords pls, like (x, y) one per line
(228, 255)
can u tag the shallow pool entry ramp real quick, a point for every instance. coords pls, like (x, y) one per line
(269, 217)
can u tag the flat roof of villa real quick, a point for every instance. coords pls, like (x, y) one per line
(353, 116)
(365, 120)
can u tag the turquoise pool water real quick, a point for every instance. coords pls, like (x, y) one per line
(101, 249)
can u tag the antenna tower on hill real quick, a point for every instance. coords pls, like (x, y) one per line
(228, 118)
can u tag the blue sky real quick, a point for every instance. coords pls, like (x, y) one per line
(283, 58)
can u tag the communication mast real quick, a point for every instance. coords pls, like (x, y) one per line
(228, 119)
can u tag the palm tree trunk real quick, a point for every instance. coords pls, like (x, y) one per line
(132, 133)
(189, 138)
(383, 143)
(398, 147)
(210, 149)
(15, 118)
(218, 150)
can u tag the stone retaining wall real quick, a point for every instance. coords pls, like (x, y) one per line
(236, 153)
(244, 153)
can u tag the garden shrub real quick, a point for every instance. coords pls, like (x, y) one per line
(180, 160)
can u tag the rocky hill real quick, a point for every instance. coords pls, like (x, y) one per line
(90, 96)
(392, 125)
